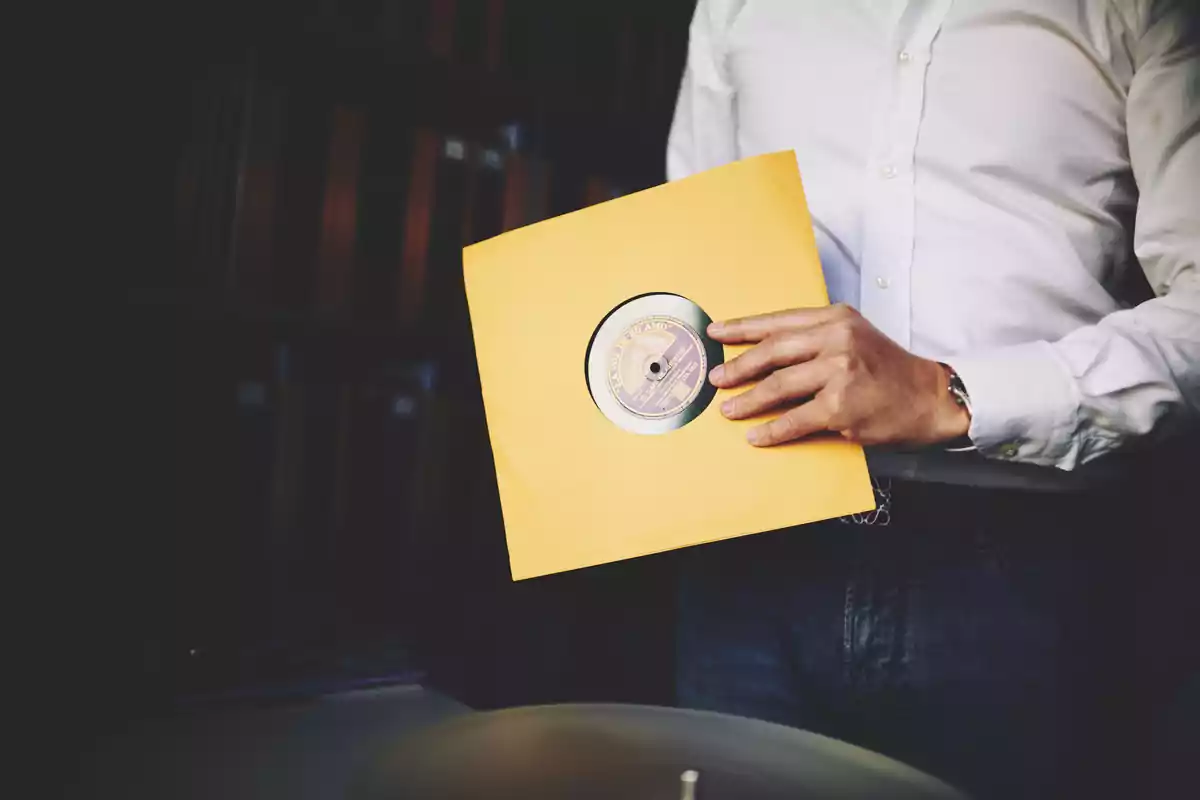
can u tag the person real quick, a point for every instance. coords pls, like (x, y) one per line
(1006, 201)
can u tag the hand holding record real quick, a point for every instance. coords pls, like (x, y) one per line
(846, 375)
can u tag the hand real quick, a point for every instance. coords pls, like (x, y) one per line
(847, 376)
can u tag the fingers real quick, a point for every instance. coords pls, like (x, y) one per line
(805, 420)
(798, 354)
(750, 330)
(772, 354)
(779, 388)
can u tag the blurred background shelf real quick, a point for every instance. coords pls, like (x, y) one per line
(314, 499)
(200, 314)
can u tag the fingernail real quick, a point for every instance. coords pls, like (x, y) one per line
(755, 436)
(727, 407)
(718, 372)
(714, 328)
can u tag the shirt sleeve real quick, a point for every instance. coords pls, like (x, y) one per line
(702, 132)
(1136, 374)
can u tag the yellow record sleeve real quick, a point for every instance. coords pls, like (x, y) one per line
(576, 488)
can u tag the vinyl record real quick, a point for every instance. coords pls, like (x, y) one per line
(648, 361)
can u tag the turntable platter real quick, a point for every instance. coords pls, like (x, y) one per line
(633, 753)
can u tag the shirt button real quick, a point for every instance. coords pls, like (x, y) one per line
(888, 172)
(1009, 450)
(882, 282)
(904, 57)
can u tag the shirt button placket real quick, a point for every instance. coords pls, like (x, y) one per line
(889, 206)
(888, 230)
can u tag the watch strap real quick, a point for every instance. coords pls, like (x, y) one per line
(958, 391)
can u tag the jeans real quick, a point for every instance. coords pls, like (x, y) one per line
(976, 637)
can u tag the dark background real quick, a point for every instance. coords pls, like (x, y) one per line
(265, 405)
(293, 486)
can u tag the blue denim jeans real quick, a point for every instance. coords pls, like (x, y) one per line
(970, 638)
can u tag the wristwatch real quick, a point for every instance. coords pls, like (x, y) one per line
(958, 390)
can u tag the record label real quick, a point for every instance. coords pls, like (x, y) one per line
(657, 367)
(648, 363)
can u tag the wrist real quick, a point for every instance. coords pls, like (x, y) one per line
(952, 409)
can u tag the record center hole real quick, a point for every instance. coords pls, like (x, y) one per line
(655, 367)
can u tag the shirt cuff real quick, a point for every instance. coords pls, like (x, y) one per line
(1024, 404)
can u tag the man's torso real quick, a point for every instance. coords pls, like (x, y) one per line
(966, 162)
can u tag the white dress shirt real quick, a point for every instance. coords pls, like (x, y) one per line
(986, 179)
